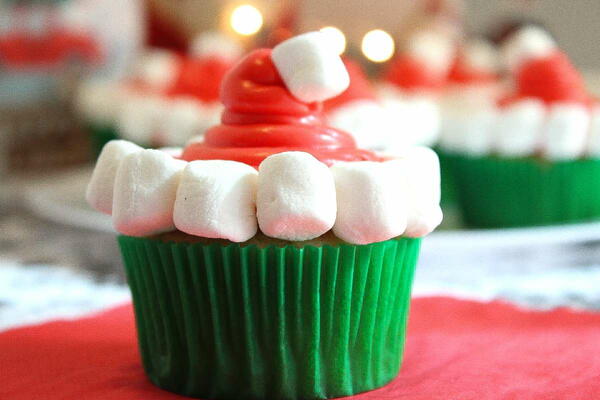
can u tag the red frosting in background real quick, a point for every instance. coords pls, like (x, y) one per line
(200, 78)
(262, 118)
(359, 89)
(412, 74)
(461, 72)
(551, 79)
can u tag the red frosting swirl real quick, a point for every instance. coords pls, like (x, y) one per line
(411, 74)
(262, 118)
(551, 79)
(462, 72)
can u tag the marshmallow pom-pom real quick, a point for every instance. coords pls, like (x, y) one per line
(157, 69)
(371, 206)
(310, 68)
(519, 128)
(140, 118)
(528, 43)
(216, 199)
(594, 140)
(418, 176)
(434, 49)
(296, 197)
(480, 54)
(215, 44)
(144, 193)
(370, 123)
(99, 193)
(566, 131)
(175, 152)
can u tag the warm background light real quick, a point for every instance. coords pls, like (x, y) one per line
(377, 45)
(246, 20)
(336, 38)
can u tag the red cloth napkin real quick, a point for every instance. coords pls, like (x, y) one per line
(455, 350)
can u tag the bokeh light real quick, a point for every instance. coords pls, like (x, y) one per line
(336, 38)
(378, 45)
(246, 20)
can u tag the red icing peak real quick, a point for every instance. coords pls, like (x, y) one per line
(462, 72)
(200, 78)
(262, 118)
(412, 74)
(359, 89)
(552, 79)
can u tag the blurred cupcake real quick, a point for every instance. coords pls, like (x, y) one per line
(163, 103)
(531, 161)
(413, 85)
(358, 112)
(257, 269)
(468, 104)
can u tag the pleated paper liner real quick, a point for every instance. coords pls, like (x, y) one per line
(498, 192)
(100, 134)
(449, 196)
(228, 321)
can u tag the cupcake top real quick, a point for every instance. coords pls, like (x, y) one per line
(272, 164)
(548, 113)
(475, 63)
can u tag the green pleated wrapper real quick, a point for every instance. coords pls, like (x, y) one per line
(231, 321)
(498, 192)
(448, 186)
(100, 135)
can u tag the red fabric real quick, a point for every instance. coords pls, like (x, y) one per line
(455, 350)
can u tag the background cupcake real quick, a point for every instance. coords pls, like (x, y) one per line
(256, 268)
(534, 162)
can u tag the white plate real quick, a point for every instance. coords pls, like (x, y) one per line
(60, 198)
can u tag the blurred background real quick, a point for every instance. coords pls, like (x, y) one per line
(76, 73)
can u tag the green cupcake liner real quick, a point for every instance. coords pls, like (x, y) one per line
(100, 134)
(448, 186)
(501, 192)
(247, 322)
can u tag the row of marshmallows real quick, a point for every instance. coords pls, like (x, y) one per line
(550, 114)
(292, 196)
(559, 131)
(144, 112)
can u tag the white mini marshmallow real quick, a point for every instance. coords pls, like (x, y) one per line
(566, 131)
(175, 152)
(144, 193)
(435, 49)
(469, 131)
(216, 199)
(372, 207)
(158, 69)
(215, 44)
(369, 122)
(482, 55)
(141, 118)
(296, 197)
(519, 128)
(99, 193)
(594, 139)
(418, 176)
(416, 120)
(528, 43)
(311, 70)
(184, 118)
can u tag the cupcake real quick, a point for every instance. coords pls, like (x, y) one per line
(529, 159)
(163, 103)
(468, 103)
(272, 259)
(359, 112)
(413, 84)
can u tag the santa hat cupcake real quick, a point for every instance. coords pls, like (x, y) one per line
(532, 162)
(269, 243)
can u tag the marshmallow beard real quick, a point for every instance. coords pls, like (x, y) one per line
(292, 197)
